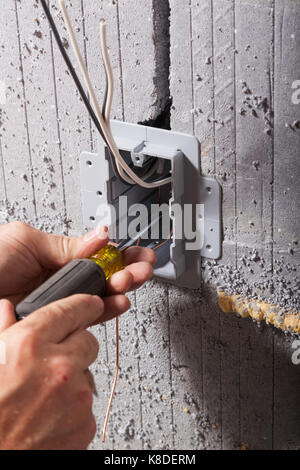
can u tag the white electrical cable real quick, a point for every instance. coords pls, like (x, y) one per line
(108, 104)
(99, 115)
(109, 72)
(110, 93)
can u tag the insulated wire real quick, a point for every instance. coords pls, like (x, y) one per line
(75, 76)
(76, 79)
(72, 70)
(105, 95)
(109, 74)
(108, 136)
(111, 157)
(106, 110)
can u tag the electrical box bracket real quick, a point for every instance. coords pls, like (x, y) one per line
(179, 260)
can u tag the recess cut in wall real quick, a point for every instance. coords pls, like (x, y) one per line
(178, 260)
(125, 151)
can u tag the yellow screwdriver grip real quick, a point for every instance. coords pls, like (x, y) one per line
(110, 260)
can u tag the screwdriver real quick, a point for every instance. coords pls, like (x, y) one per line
(82, 276)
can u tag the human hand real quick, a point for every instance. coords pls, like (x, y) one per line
(29, 257)
(46, 397)
(46, 389)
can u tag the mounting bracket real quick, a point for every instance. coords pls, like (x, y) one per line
(179, 154)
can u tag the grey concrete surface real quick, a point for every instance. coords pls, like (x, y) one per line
(191, 376)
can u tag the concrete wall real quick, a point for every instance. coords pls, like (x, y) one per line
(192, 377)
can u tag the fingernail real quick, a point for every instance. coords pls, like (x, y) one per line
(100, 233)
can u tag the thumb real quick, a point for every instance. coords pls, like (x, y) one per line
(7, 315)
(56, 251)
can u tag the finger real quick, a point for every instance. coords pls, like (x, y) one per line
(7, 315)
(113, 307)
(138, 253)
(120, 283)
(58, 320)
(54, 251)
(82, 347)
(141, 273)
(130, 278)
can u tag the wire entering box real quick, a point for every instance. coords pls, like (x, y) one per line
(182, 219)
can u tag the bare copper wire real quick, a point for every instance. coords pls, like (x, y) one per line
(164, 242)
(115, 380)
(118, 345)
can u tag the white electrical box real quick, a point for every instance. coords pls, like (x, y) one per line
(191, 202)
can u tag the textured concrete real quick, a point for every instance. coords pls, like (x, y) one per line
(232, 68)
(192, 377)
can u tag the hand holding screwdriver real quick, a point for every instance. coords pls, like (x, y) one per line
(49, 352)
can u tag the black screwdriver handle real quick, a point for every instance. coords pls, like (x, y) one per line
(78, 277)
